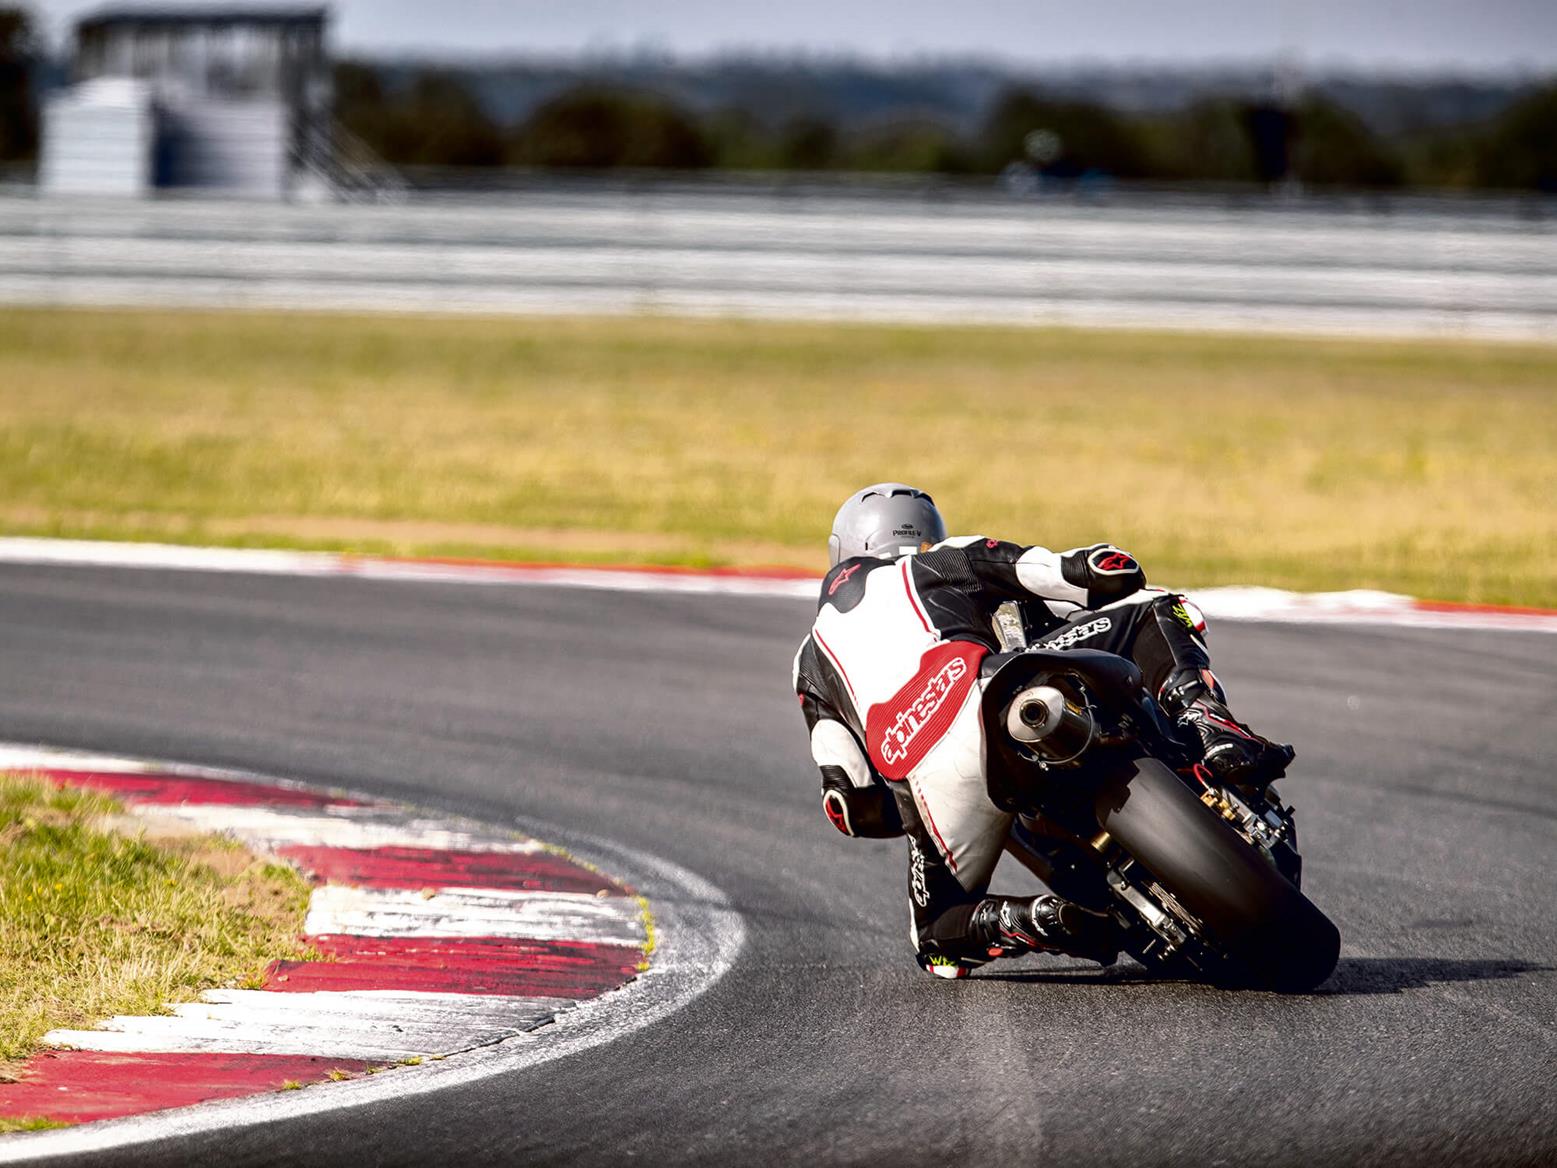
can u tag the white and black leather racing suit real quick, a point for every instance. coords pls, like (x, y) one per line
(889, 682)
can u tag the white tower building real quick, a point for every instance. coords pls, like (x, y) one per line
(219, 99)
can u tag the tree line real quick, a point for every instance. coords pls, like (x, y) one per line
(436, 120)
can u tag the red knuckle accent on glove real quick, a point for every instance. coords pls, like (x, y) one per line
(1113, 561)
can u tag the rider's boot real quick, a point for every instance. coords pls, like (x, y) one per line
(968, 936)
(1233, 753)
(1048, 923)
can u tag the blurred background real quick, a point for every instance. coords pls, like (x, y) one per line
(1346, 167)
(685, 256)
(1437, 96)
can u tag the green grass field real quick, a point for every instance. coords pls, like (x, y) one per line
(1424, 468)
(97, 920)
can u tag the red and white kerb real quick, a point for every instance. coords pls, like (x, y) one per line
(435, 935)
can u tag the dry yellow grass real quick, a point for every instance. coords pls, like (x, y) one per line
(1420, 467)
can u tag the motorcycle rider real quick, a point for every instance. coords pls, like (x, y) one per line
(889, 683)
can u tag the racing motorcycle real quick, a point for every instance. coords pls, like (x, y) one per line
(1114, 812)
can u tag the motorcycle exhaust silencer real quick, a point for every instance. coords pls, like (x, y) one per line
(1043, 718)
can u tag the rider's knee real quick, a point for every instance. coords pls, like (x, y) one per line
(1179, 609)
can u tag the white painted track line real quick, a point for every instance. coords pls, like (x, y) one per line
(450, 1020)
(389, 1005)
(176, 558)
(179, 1040)
(327, 1025)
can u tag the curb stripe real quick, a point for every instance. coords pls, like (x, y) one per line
(449, 936)
(79, 1086)
(766, 574)
(164, 788)
(364, 828)
(177, 1037)
(475, 912)
(365, 1003)
(417, 868)
(1363, 606)
(361, 1009)
(1463, 606)
(259, 561)
(1358, 606)
(383, 1030)
(699, 937)
(467, 965)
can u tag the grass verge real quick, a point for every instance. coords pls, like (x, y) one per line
(96, 920)
(1420, 467)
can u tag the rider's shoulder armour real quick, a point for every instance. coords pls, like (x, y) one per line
(844, 586)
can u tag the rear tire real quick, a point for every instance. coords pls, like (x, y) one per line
(1273, 933)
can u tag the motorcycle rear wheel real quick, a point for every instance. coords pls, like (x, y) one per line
(1273, 935)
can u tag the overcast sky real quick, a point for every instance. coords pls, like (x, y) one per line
(1475, 35)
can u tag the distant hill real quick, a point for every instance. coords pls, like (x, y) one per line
(955, 94)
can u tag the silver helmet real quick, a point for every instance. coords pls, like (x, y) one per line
(884, 519)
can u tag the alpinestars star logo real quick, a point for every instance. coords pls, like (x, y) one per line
(842, 578)
(1110, 561)
(914, 717)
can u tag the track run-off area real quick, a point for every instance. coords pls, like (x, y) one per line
(651, 731)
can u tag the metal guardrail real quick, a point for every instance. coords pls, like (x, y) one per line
(1482, 270)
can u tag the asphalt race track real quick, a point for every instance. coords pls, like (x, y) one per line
(665, 723)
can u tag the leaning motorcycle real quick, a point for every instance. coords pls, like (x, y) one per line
(1115, 813)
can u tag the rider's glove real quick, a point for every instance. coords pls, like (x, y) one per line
(870, 811)
(1106, 572)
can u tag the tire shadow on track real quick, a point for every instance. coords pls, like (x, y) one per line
(1356, 976)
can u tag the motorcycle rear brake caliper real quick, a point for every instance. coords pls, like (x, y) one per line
(1265, 832)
